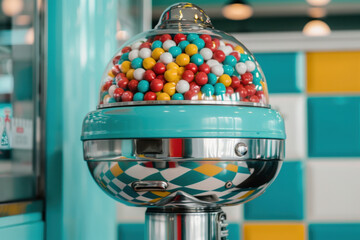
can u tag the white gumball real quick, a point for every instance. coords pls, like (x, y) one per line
(241, 68)
(145, 53)
(136, 45)
(222, 43)
(182, 86)
(168, 44)
(218, 70)
(206, 53)
(133, 54)
(166, 58)
(111, 90)
(212, 62)
(139, 74)
(250, 66)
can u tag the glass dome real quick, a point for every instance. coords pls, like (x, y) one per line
(184, 60)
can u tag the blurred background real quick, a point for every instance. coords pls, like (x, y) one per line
(52, 56)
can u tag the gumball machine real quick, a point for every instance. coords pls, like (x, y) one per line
(183, 127)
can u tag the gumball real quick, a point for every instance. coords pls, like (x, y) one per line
(180, 71)
(201, 78)
(229, 70)
(235, 82)
(125, 66)
(126, 49)
(217, 42)
(133, 54)
(192, 36)
(179, 37)
(143, 86)
(236, 55)
(260, 94)
(183, 59)
(132, 85)
(254, 98)
(171, 75)
(156, 85)
(156, 53)
(175, 51)
(208, 90)
(149, 63)
(241, 68)
(191, 49)
(118, 93)
(246, 78)
(204, 68)
(139, 96)
(219, 56)
(225, 79)
(212, 62)
(230, 60)
(206, 53)
(192, 67)
(229, 90)
(161, 77)
(125, 56)
(111, 90)
(150, 96)
(127, 96)
(130, 74)
(139, 74)
(166, 58)
(120, 76)
(230, 45)
(182, 86)
(163, 97)
(145, 53)
(190, 95)
(145, 45)
(123, 83)
(110, 74)
(199, 43)
(239, 49)
(136, 45)
(183, 45)
(242, 91)
(177, 96)
(217, 70)
(244, 57)
(116, 59)
(188, 75)
(212, 78)
(172, 65)
(220, 89)
(106, 99)
(211, 45)
(170, 88)
(149, 75)
(106, 85)
(250, 65)
(159, 68)
(165, 37)
(157, 37)
(168, 44)
(251, 89)
(197, 59)
(137, 63)
(205, 37)
(226, 49)
(111, 100)
(156, 44)
(194, 87)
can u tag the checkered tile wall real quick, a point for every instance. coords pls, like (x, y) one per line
(317, 193)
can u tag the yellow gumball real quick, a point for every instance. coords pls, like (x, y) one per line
(170, 88)
(183, 59)
(110, 73)
(125, 66)
(156, 53)
(180, 71)
(225, 79)
(130, 74)
(157, 94)
(172, 65)
(200, 95)
(163, 96)
(149, 63)
(239, 49)
(191, 49)
(171, 75)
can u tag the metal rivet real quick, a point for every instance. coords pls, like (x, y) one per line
(241, 149)
(228, 184)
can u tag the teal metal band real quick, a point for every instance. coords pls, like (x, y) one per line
(178, 121)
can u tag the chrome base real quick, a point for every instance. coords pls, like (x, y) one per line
(185, 224)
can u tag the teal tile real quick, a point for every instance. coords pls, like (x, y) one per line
(284, 72)
(283, 200)
(131, 231)
(234, 231)
(334, 231)
(334, 126)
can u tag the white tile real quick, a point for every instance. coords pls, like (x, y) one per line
(234, 214)
(292, 109)
(333, 190)
(126, 214)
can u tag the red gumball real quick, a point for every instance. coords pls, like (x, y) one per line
(179, 37)
(159, 68)
(205, 37)
(229, 44)
(106, 85)
(165, 37)
(115, 69)
(149, 75)
(157, 37)
(156, 85)
(145, 45)
(217, 42)
(246, 78)
(132, 85)
(190, 95)
(245, 100)
(211, 45)
(229, 90)
(160, 76)
(188, 75)
(260, 94)
(219, 56)
(126, 49)
(251, 89)
(201, 78)
(204, 68)
(194, 87)
(242, 91)
(120, 76)
(123, 83)
(235, 82)
(116, 60)
(127, 96)
(254, 99)
(192, 67)
(150, 96)
(118, 93)
(236, 55)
